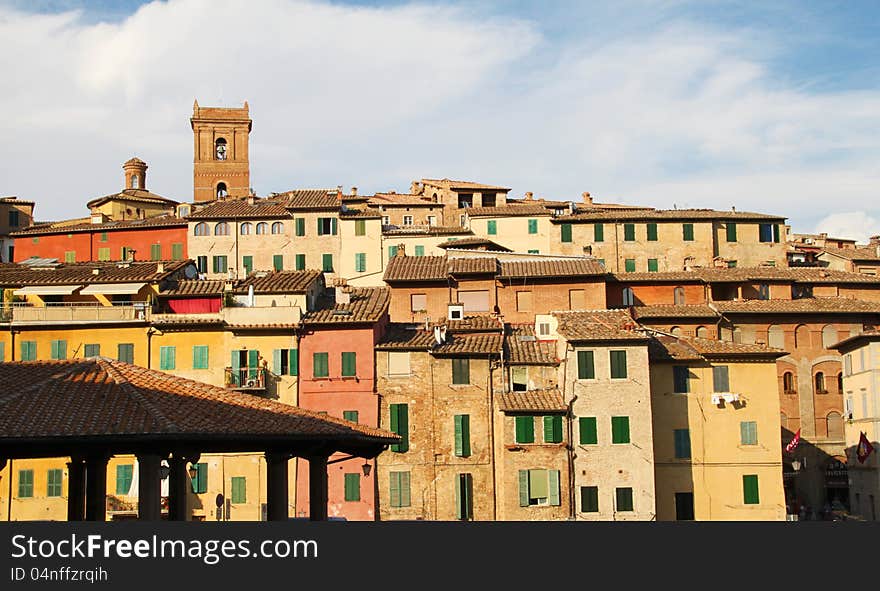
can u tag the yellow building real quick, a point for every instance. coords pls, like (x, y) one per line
(716, 430)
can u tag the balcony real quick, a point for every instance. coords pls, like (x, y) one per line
(74, 313)
(245, 379)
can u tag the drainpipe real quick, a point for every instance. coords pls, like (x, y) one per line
(492, 432)
(572, 507)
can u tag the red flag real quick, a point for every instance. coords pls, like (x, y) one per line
(794, 442)
(864, 449)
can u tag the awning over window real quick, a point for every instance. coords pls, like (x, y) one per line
(46, 290)
(113, 289)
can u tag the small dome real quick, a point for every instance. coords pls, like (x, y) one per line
(134, 162)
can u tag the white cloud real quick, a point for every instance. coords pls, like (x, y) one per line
(851, 224)
(375, 97)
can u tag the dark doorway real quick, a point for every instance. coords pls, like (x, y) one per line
(684, 506)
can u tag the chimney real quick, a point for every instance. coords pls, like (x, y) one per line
(588, 199)
(529, 195)
(160, 267)
(415, 188)
(354, 191)
(96, 271)
(131, 253)
(339, 191)
(401, 250)
(98, 218)
(733, 208)
(250, 199)
(874, 240)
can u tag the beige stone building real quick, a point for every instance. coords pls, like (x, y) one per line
(15, 215)
(405, 210)
(457, 197)
(864, 259)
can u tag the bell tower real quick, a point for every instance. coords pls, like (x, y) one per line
(221, 167)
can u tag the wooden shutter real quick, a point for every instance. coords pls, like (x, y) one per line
(293, 362)
(586, 366)
(320, 226)
(176, 251)
(553, 496)
(404, 489)
(550, 428)
(652, 231)
(731, 231)
(533, 226)
(750, 489)
(235, 365)
(253, 363)
(327, 263)
(598, 232)
(394, 489)
(629, 265)
(320, 365)
(300, 262)
(278, 262)
(156, 252)
(525, 429)
(333, 226)
(349, 364)
(300, 226)
(720, 378)
(360, 227)
(524, 488)
(618, 364)
(491, 227)
(462, 435)
(629, 232)
(461, 371)
(350, 415)
(352, 487)
(652, 265)
(276, 362)
(588, 430)
(687, 232)
(619, 429)
(400, 425)
(565, 232)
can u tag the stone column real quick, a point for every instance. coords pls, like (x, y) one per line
(177, 485)
(149, 487)
(76, 489)
(96, 488)
(318, 488)
(276, 486)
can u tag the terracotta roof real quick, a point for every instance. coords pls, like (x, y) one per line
(475, 323)
(854, 254)
(589, 214)
(135, 195)
(320, 199)
(548, 267)
(82, 273)
(428, 268)
(671, 311)
(523, 348)
(506, 211)
(425, 231)
(461, 184)
(851, 342)
(401, 200)
(194, 287)
(470, 344)
(598, 325)
(738, 274)
(157, 221)
(670, 348)
(472, 243)
(234, 209)
(16, 200)
(533, 401)
(365, 213)
(406, 337)
(186, 319)
(368, 304)
(800, 306)
(279, 282)
(100, 397)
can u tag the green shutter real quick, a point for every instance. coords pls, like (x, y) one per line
(553, 487)
(552, 428)
(491, 227)
(360, 262)
(278, 262)
(652, 265)
(239, 489)
(400, 426)
(320, 365)
(750, 489)
(360, 227)
(300, 262)
(588, 431)
(156, 252)
(687, 232)
(276, 362)
(565, 232)
(624, 499)
(589, 499)
(404, 489)
(652, 231)
(25, 484)
(392, 252)
(629, 232)
(320, 226)
(352, 487)
(167, 357)
(775, 232)
(125, 352)
(176, 251)
(200, 482)
(462, 435)
(235, 364)
(618, 364)
(619, 429)
(533, 226)
(253, 360)
(28, 350)
(394, 489)
(629, 265)
(91, 350)
(104, 254)
(293, 362)
(720, 378)
(731, 231)
(420, 250)
(333, 226)
(598, 232)
(53, 482)
(524, 488)
(459, 509)
(586, 366)
(350, 415)
(300, 226)
(327, 263)
(461, 372)
(349, 364)
(748, 433)
(200, 356)
(525, 429)
(247, 262)
(124, 474)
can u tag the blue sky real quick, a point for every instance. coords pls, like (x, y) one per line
(763, 106)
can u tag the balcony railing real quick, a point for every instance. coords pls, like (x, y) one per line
(74, 312)
(245, 378)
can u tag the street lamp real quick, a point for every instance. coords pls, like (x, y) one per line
(366, 468)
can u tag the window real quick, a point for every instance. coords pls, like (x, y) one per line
(519, 378)
(524, 429)
(398, 363)
(687, 232)
(25, 484)
(247, 262)
(680, 379)
(474, 301)
(432, 220)
(59, 349)
(523, 301)
(543, 329)
(202, 263)
(349, 364)
(491, 227)
(262, 228)
(300, 262)
(464, 497)
(221, 229)
(618, 364)
(327, 263)
(167, 357)
(246, 229)
(104, 254)
(627, 296)
(125, 352)
(624, 498)
(533, 251)
(629, 232)
(200, 357)
(553, 429)
(788, 383)
(652, 231)
(200, 482)
(820, 383)
(598, 232)
(239, 489)
(386, 220)
(92, 350)
(684, 506)
(124, 474)
(682, 438)
(326, 226)
(399, 489)
(720, 379)
(586, 366)
(418, 302)
(392, 252)
(278, 227)
(278, 262)
(352, 487)
(750, 489)
(619, 429)
(285, 362)
(28, 350)
(539, 487)
(320, 365)
(360, 262)
(588, 432)
(219, 262)
(53, 482)
(652, 265)
(420, 250)
(629, 265)
(839, 378)
(220, 149)
(350, 415)
(462, 424)
(13, 216)
(155, 252)
(589, 499)
(461, 371)
(533, 226)
(176, 251)
(768, 233)
(400, 426)
(748, 433)
(127, 253)
(731, 231)
(300, 226)
(565, 232)
(360, 227)
(69, 256)
(702, 332)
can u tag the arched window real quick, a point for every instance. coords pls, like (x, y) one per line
(840, 383)
(829, 336)
(246, 228)
(202, 229)
(676, 330)
(262, 228)
(135, 181)
(820, 383)
(628, 296)
(278, 228)
(221, 229)
(221, 190)
(801, 336)
(834, 425)
(220, 148)
(678, 296)
(788, 383)
(702, 332)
